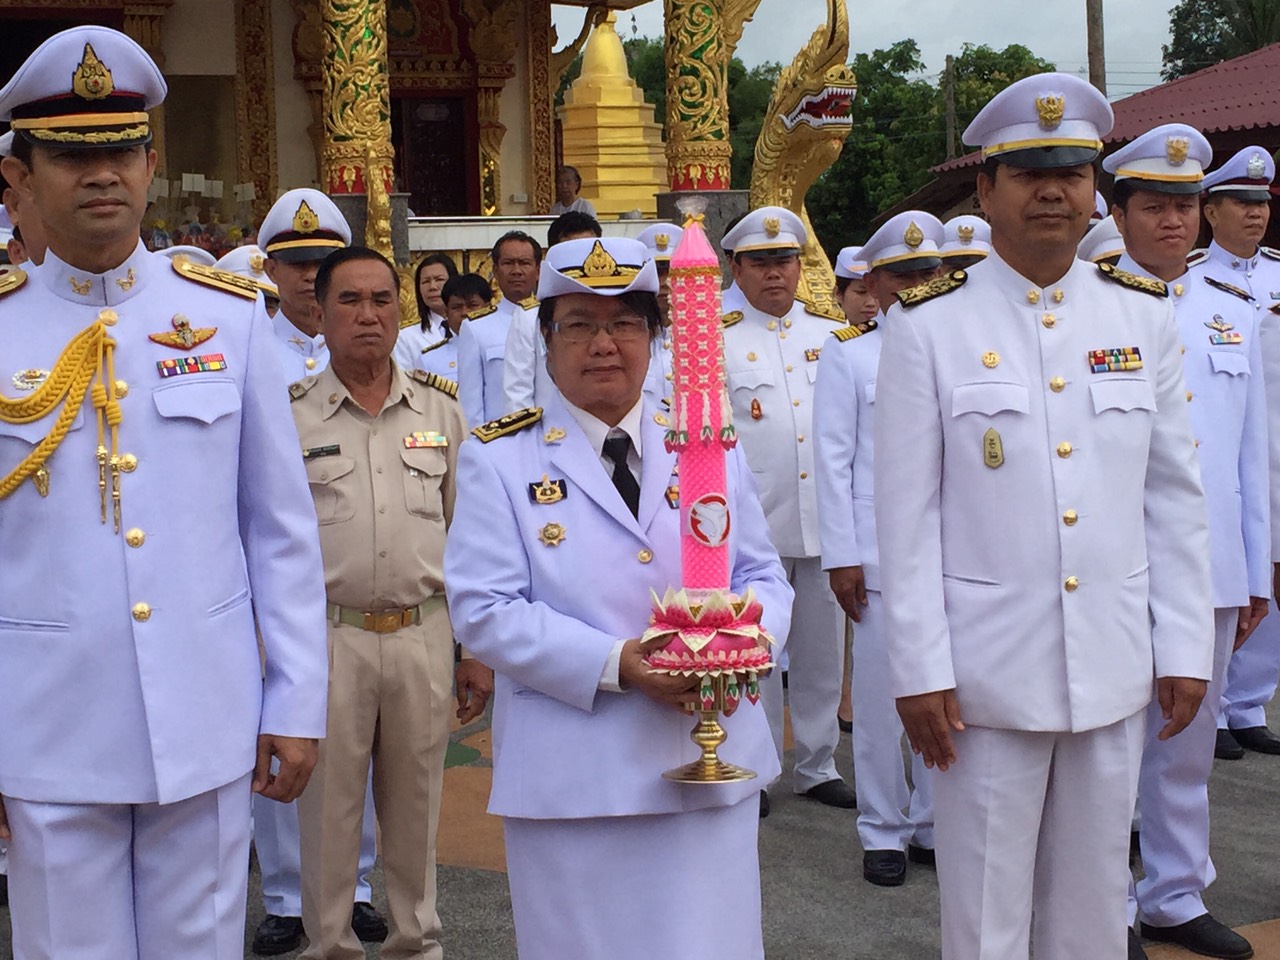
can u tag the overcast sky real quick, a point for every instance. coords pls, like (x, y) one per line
(1053, 29)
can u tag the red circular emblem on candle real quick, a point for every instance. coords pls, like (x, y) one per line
(709, 520)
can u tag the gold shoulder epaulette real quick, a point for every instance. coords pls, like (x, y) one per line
(855, 330)
(432, 346)
(729, 319)
(482, 312)
(937, 287)
(530, 302)
(299, 390)
(1229, 288)
(407, 322)
(1270, 252)
(511, 423)
(1155, 288)
(1197, 256)
(218, 279)
(825, 313)
(443, 384)
(11, 280)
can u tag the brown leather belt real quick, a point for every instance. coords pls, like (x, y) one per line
(383, 621)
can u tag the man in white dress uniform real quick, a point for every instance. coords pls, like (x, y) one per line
(1045, 551)
(567, 526)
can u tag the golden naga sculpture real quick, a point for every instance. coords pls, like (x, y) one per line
(806, 125)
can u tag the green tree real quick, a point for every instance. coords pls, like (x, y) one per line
(1205, 32)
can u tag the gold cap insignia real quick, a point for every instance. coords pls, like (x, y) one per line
(91, 80)
(772, 227)
(1257, 167)
(305, 220)
(1176, 150)
(598, 263)
(1049, 108)
(660, 240)
(913, 236)
(965, 233)
(257, 263)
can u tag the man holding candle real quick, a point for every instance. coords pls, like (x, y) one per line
(572, 520)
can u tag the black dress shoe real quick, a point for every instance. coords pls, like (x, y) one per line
(884, 868)
(1257, 739)
(1135, 946)
(1203, 935)
(1227, 747)
(846, 726)
(764, 804)
(368, 924)
(922, 855)
(276, 935)
(833, 793)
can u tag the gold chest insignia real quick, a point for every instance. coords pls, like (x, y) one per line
(551, 535)
(1217, 323)
(992, 449)
(553, 435)
(29, 379)
(548, 491)
(991, 359)
(184, 336)
(91, 80)
(1049, 109)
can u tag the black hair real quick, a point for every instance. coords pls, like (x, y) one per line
(431, 259)
(842, 284)
(571, 222)
(516, 236)
(642, 302)
(992, 164)
(467, 285)
(324, 274)
(17, 233)
(20, 149)
(1121, 192)
(574, 170)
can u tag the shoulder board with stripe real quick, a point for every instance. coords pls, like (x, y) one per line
(1270, 252)
(482, 312)
(299, 390)
(1197, 256)
(729, 319)
(11, 280)
(407, 322)
(855, 330)
(218, 279)
(443, 384)
(432, 346)
(529, 302)
(826, 313)
(932, 289)
(1156, 288)
(1229, 288)
(511, 423)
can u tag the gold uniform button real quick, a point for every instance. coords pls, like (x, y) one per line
(1070, 518)
(108, 317)
(1183, 350)
(645, 556)
(795, 403)
(1071, 584)
(1188, 396)
(311, 363)
(122, 389)
(1064, 450)
(790, 368)
(135, 537)
(803, 475)
(128, 463)
(1057, 384)
(1049, 320)
(333, 398)
(751, 357)
(787, 324)
(142, 612)
(800, 438)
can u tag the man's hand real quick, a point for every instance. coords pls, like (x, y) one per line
(929, 719)
(850, 588)
(1250, 617)
(1179, 700)
(297, 756)
(474, 684)
(5, 832)
(633, 674)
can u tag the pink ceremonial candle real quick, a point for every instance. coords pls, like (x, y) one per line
(701, 423)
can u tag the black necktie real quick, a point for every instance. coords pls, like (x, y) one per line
(616, 449)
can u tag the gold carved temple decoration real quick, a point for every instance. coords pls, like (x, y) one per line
(255, 84)
(495, 30)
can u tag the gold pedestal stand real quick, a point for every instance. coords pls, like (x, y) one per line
(708, 735)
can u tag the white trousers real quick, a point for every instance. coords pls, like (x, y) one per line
(815, 655)
(1037, 824)
(890, 813)
(130, 882)
(675, 886)
(276, 838)
(1173, 801)
(1252, 676)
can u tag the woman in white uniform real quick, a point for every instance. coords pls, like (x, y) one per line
(434, 271)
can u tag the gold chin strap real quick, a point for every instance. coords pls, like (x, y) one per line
(86, 367)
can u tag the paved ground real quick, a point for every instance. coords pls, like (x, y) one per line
(816, 905)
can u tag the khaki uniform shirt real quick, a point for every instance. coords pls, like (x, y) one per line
(383, 486)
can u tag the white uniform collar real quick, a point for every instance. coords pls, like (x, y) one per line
(597, 431)
(1229, 260)
(100, 289)
(749, 311)
(1021, 290)
(286, 331)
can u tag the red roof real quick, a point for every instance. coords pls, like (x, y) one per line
(1239, 94)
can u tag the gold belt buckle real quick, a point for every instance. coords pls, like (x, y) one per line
(384, 622)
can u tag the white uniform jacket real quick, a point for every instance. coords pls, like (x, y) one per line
(546, 618)
(1228, 412)
(129, 666)
(771, 364)
(1043, 530)
(844, 399)
(440, 357)
(482, 344)
(413, 338)
(300, 355)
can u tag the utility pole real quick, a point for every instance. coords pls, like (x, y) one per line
(949, 94)
(1097, 51)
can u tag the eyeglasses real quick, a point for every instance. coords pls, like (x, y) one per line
(622, 329)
